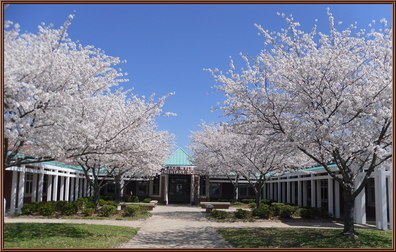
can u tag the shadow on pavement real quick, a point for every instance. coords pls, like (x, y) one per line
(187, 238)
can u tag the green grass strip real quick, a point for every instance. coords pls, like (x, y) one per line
(65, 235)
(304, 238)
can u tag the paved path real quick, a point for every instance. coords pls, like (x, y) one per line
(176, 226)
(181, 226)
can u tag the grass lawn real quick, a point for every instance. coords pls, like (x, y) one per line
(64, 235)
(304, 238)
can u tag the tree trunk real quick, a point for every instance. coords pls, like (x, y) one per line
(117, 180)
(258, 198)
(349, 212)
(236, 189)
(5, 152)
(236, 192)
(96, 189)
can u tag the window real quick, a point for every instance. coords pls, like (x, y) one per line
(110, 188)
(246, 190)
(156, 185)
(323, 190)
(28, 183)
(142, 188)
(202, 185)
(215, 190)
(370, 191)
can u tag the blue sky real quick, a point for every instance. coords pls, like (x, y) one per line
(167, 46)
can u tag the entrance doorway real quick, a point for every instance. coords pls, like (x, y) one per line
(179, 189)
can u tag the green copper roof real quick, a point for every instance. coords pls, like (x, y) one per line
(62, 165)
(179, 158)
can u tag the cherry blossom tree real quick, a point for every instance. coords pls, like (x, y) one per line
(208, 147)
(151, 148)
(113, 134)
(328, 94)
(42, 73)
(60, 104)
(235, 148)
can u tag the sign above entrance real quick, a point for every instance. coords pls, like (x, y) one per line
(183, 170)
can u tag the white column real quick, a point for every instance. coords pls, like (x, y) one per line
(49, 187)
(313, 189)
(166, 189)
(319, 193)
(293, 192)
(330, 197)
(299, 193)
(72, 190)
(62, 188)
(337, 199)
(360, 208)
(305, 192)
(40, 186)
(55, 188)
(13, 191)
(381, 217)
(77, 188)
(288, 198)
(34, 187)
(67, 188)
(279, 199)
(21, 189)
(390, 201)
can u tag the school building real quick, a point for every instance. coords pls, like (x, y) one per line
(179, 183)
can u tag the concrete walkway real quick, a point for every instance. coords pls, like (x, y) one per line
(184, 226)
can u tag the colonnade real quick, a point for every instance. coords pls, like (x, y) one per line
(321, 190)
(61, 184)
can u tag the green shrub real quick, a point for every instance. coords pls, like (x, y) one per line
(219, 214)
(135, 199)
(103, 202)
(47, 209)
(305, 212)
(69, 208)
(133, 210)
(26, 209)
(146, 200)
(263, 212)
(266, 201)
(88, 211)
(59, 205)
(31, 208)
(276, 208)
(242, 214)
(107, 210)
(252, 205)
(247, 201)
(86, 202)
(287, 211)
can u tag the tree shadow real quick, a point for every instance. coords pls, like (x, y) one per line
(187, 238)
(27, 231)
